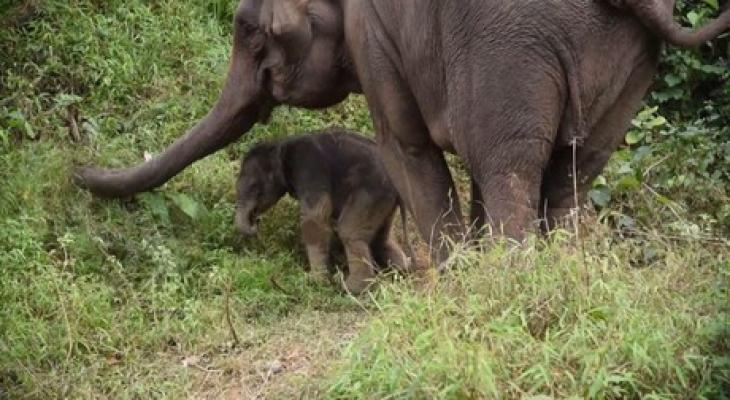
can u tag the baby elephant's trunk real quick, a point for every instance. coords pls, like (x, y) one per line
(246, 220)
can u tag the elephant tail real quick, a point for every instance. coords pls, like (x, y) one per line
(661, 22)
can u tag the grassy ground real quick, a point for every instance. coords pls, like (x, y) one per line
(107, 299)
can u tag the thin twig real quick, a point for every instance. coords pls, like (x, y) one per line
(64, 313)
(73, 124)
(207, 370)
(668, 205)
(656, 164)
(281, 289)
(232, 329)
(576, 214)
(685, 238)
(62, 303)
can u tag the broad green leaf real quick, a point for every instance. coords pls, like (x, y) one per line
(625, 221)
(713, 3)
(713, 69)
(18, 121)
(600, 196)
(675, 93)
(634, 137)
(642, 152)
(647, 112)
(188, 205)
(693, 18)
(157, 205)
(672, 80)
(656, 122)
(625, 168)
(600, 181)
(628, 183)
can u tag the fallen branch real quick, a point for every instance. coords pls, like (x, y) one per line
(281, 289)
(232, 329)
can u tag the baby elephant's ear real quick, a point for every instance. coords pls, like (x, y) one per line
(291, 27)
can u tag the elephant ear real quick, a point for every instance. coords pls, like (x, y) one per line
(291, 27)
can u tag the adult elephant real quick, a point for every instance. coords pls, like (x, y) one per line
(508, 85)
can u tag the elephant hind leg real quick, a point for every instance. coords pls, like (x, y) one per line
(558, 188)
(360, 220)
(477, 214)
(509, 180)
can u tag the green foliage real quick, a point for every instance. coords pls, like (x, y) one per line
(678, 150)
(102, 298)
(536, 322)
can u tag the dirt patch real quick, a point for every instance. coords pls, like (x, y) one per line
(285, 360)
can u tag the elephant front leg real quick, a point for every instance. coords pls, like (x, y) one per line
(416, 167)
(413, 161)
(317, 237)
(424, 183)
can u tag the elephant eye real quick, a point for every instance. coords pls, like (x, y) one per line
(250, 34)
(257, 41)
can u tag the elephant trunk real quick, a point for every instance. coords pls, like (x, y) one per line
(239, 107)
(246, 219)
(664, 26)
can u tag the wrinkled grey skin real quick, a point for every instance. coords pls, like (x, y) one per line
(342, 189)
(507, 85)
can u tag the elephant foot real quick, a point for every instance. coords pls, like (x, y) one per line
(359, 280)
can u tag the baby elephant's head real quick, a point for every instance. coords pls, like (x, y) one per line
(259, 186)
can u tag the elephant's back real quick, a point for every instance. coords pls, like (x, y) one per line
(355, 164)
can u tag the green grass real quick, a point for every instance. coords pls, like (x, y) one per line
(511, 323)
(110, 299)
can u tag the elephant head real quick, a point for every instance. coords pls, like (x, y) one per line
(260, 185)
(284, 52)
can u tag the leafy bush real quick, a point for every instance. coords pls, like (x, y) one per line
(677, 160)
(530, 322)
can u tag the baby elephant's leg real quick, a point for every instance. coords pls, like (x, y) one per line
(361, 273)
(317, 235)
(357, 226)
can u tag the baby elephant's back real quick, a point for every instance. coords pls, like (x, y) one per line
(355, 164)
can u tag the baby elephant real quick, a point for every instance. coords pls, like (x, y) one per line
(342, 188)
